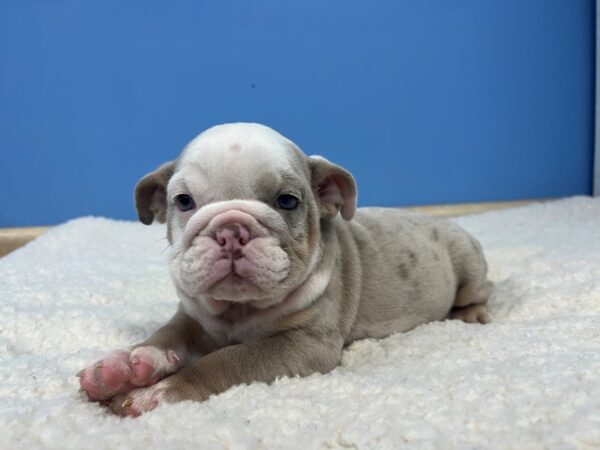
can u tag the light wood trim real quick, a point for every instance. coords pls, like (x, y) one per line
(13, 238)
(461, 209)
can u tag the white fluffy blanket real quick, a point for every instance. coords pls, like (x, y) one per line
(530, 379)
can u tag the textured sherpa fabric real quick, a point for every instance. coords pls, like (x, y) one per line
(530, 379)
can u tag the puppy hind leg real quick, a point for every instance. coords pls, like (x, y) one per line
(473, 292)
(476, 313)
(470, 304)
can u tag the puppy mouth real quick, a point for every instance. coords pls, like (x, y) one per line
(236, 288)
(231, 256)
(238, 274)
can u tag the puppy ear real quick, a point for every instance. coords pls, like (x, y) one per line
(151, 194)
(334, 188)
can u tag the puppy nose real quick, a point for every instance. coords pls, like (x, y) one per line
(232, 236)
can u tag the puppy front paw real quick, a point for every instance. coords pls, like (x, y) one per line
(139, 401)
(121, 371)
(172, 389)
(151, 364)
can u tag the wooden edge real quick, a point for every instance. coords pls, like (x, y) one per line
(13, 238)
(462, 209)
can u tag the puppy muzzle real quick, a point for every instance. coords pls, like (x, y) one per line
(233, 249)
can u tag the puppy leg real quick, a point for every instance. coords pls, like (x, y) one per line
(474, 288)
(295, 352)
(163, 353)
(470, 304)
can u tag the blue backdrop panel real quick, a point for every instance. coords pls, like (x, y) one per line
(430, 101)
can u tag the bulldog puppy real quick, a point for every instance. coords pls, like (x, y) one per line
(276, 271)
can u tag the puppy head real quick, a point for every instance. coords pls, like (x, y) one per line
(244, 209)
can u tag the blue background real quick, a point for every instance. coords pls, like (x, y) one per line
(425, 101)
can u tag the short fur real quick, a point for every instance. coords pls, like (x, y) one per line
(310, 282)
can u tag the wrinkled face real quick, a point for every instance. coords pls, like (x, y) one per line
(243, 207)
(242, 217)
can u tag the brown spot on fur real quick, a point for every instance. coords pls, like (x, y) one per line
(403, 271)
(413, 257)
(436, 256)
(415, 289)
(435, 235)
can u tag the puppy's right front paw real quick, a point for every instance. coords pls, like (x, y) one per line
(121, 371)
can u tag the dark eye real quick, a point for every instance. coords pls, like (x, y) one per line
(287, 201)
(184, 202)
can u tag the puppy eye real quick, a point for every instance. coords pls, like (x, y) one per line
(184, 202)
(287, 201)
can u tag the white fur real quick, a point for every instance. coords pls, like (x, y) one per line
(163, 362)
(238, 152)
(250, 143)
(201, 219)
(148, 398)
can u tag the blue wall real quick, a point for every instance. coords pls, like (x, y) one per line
(426, 101)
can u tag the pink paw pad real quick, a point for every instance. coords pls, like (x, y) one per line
(121, 371)
(108, 377)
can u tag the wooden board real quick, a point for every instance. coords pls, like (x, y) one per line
(13, 238)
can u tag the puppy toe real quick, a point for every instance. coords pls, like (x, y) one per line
(150, 364)
(121, 371)
(471, 314)
(107, 377)
(138, 401)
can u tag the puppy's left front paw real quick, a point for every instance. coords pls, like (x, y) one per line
(170, 390)
(139, 401)
(121, 371)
